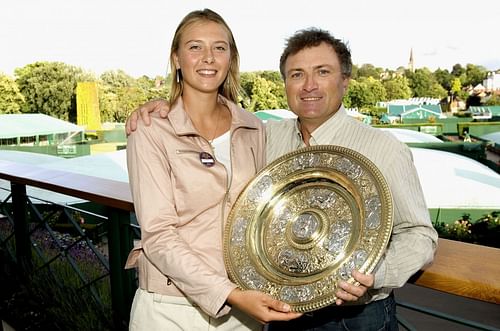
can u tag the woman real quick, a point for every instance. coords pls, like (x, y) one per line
(185, 172)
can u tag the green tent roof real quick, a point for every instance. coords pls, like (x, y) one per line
(266, 116)
(29, 125)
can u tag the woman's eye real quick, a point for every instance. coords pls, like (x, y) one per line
(194, 47)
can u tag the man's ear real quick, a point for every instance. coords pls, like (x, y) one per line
(345, 85)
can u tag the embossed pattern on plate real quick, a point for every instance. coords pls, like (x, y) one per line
(305, 222)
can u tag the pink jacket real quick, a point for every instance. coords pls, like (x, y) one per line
(182, 205)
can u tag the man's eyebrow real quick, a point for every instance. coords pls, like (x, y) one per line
(294, 69)
(320, 66)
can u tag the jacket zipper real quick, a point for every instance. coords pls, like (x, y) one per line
(229, 180)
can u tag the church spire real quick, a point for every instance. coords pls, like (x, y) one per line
(411, 64)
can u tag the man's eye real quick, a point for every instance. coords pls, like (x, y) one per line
(295, 75)
(324, 72)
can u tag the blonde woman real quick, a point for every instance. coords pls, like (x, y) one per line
(185, 173)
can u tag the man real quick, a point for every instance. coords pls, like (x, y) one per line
(316, 69)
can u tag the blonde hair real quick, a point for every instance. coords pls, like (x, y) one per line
(230, 89)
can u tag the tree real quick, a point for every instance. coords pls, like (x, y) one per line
(369, 70)
(456, 86)
(266, 95)
(474, 74)
(121, 94)
(364, 93)
(11, 99)
(424, 84)
(444, 78)
(397, 88)
(263, 90)
(49, 87)
(457, 70)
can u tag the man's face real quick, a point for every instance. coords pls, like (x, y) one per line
(314, 84)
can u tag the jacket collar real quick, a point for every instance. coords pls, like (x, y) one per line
(183, 125)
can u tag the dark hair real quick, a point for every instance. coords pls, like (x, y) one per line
(231, 86)
(313, 37)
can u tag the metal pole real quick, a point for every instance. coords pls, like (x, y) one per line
(21, 231)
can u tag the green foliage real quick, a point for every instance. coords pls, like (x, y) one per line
(493, 100)
(457, 70)
(369, 70)
(49, 88)
(456, 86)
(11, 99)
(120, 94)
(424, 84)
(397, 88)
(484, 231)
(364, 93)
(474, 74)
(444, 77)
(263, 90)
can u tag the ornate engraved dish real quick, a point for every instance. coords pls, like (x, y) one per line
(305, 222)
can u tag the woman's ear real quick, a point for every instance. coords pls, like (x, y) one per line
(176, 61)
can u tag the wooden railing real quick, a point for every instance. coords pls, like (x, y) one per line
(467, 270)
(463, 269)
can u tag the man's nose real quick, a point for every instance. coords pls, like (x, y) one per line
(310, 83)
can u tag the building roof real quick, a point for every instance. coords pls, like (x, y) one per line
(491, 110)
(29, 125)
(408, 110)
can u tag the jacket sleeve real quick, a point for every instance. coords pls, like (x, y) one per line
(152, 192)
(414, 240)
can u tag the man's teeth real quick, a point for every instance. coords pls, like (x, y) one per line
(311, 99)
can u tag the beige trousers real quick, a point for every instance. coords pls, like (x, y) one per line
(152, 311)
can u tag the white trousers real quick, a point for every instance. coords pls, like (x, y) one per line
(152, 311)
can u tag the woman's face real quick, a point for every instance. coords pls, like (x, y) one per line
(203, 56)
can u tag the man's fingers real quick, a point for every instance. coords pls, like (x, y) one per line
(144, 112)
(364, 279)
(131, 124)
(164, 112)
(356, 291)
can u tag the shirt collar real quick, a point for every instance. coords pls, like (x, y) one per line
(324, 133)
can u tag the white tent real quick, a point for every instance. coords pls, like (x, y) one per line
(454, 181)
(411, 136)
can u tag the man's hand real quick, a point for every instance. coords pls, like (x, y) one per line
(261, 306)
(350, 292)
(143, 112)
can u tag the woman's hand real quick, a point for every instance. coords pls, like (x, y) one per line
(261, 306)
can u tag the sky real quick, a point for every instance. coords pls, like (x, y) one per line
(135, 36)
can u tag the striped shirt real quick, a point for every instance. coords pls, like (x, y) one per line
(413, 240)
